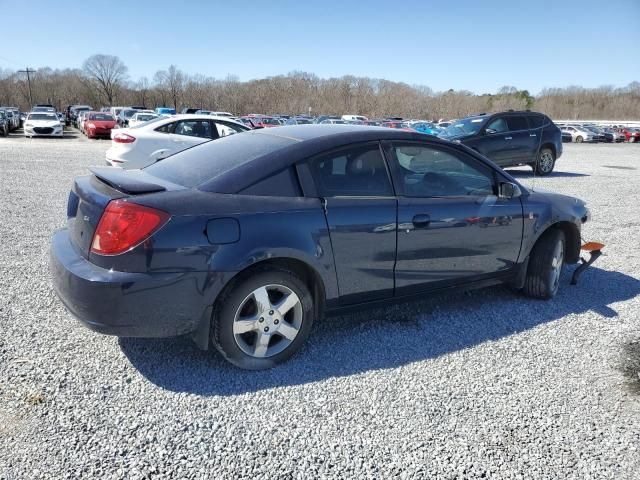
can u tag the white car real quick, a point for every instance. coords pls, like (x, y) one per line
(579, 135)
(141, 117)
(146, 143)
(43, 124)
(357, 118)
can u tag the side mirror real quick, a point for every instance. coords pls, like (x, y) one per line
(509, 190)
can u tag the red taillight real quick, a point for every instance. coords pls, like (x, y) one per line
(123, 138)
(125, 225)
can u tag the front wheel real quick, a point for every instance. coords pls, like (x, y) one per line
(263, 320)
(579, 139)
(545, 265)
(546, 162)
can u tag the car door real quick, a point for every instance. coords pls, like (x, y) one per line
(188, 133)
(536, 130)
(360, 209)
(493, 142)
(452, 226)
(523, 141)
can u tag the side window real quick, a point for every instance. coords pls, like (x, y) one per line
(193, 128)
(498, 125)
(425, 171)
(517, 123)
(225, 129)
(355, 171)
(168, 128)
(536, 121)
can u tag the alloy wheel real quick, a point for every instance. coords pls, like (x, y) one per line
(546, 162)
(556, 266)
(267, 321)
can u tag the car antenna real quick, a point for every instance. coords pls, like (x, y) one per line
(535, 165)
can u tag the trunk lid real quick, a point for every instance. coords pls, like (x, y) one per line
(91, 194)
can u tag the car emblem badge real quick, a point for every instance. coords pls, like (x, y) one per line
(86, 218)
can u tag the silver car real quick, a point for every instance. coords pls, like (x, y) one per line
(578, 134)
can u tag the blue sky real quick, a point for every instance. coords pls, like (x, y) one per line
(474, 45)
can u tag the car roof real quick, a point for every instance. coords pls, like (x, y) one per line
(304, 141)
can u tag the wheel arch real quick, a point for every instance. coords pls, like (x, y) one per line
(311, 277)
(571, 238)
(551, 147)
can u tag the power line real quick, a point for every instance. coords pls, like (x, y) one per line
(28, 71)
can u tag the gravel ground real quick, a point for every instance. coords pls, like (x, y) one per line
(484, 384)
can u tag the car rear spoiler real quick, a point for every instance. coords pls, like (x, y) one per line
(127, 181)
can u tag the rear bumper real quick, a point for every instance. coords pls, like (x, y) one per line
(129, 304)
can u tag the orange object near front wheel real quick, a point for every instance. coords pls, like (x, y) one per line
(592, 246)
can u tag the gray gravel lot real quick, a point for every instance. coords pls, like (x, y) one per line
(484, 384)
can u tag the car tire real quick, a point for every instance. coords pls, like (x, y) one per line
(545, 265)
(579, 139)
(545, 163)
(249, 329)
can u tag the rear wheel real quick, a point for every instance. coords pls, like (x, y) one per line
(263, 320)
(579, 139)
(545, 265)
(546, 162)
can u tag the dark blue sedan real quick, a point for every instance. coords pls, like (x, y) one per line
(246, 241)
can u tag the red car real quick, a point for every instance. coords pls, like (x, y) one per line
(631, 134)
(99, 124)
(263, 121)
(398, 125)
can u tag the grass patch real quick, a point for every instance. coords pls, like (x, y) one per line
(34, 399)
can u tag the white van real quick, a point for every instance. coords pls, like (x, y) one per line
(356, 118)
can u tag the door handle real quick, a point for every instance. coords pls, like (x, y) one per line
(508, 138)
(532, 135)
(421, 220)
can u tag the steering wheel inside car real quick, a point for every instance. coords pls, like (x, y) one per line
(438, 184)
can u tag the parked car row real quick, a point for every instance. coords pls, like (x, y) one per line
(588, 132)
(10, 120)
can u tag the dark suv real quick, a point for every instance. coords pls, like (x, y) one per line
(511, 138)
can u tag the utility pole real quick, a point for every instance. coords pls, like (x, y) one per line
(28, 71)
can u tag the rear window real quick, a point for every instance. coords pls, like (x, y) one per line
(207, 161)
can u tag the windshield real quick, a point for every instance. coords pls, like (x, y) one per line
(105, 117)
(144, 124)
(270, 121)
(466, 126)
(129, 113)
(144, 118)
(43, 116)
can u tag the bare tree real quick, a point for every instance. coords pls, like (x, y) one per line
(142, 90)
(108, 72)
(296, 92)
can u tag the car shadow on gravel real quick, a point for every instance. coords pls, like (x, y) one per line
(381, 338)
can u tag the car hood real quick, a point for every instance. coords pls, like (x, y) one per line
(564, 203)
(44, 123)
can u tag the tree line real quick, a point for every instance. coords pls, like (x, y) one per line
(103, 80)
